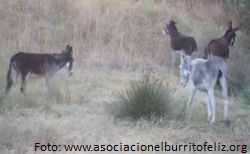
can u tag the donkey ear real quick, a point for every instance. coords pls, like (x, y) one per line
(66, 49)
(70, 50)
(172, 22)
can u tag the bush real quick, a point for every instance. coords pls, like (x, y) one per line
(244, 95)
(239, 71)
(146, 98)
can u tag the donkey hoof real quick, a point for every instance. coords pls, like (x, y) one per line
(22, 90)
(189, 117)
(212, 122)
(209, 118)
(227, 122)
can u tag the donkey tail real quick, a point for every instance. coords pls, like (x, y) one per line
(222, 66)
(11, 75)
(195, 45)
(209, 51)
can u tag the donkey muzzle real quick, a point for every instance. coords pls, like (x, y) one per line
(184, 84)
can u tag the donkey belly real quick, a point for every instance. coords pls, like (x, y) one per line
(176, 47)
(43, 70)
(187, 44)
(198, 80)
(37, 72)
(33, 63)
(219, 50)
(201, 87)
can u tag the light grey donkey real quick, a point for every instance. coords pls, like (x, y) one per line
(201, 74)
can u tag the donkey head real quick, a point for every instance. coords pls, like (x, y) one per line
(170, 28)
(68, 57)
(185, 69)
(230, 34)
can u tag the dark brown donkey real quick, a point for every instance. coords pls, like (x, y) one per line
(179, 42)
(220, 46)
(39, 64)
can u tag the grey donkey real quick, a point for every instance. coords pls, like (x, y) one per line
(201, 74)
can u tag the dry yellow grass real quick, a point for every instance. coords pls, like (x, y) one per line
(113, 42)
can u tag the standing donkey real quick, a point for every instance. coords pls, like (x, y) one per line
(201, 74)
(179, 42)
(39, 64)
(220, 46)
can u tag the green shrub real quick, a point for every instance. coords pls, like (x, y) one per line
(239, 71)
(246, 2)
(146, 98)
(244, 95)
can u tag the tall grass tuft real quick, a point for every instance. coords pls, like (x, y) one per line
(146, 98)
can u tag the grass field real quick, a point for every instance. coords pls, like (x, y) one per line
(114, 42)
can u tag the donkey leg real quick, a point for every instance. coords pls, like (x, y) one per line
(208, 103)
(8, 86)
(213, 105)
(189, 104)
(23, 84)
(46, 86)
(173, 59)
(224, 87)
